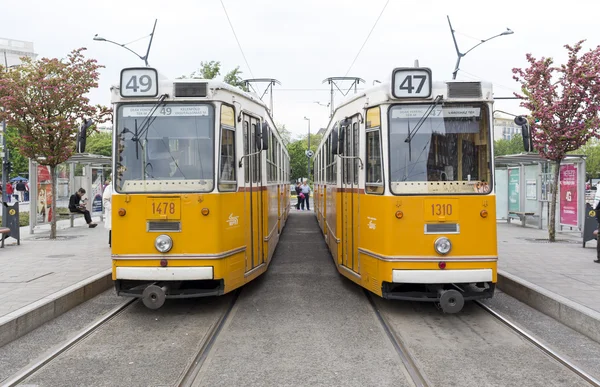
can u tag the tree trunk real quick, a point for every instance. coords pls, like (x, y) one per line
(53, 190)
(552, 222)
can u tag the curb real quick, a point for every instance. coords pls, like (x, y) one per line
(576, 316)
(30, 317)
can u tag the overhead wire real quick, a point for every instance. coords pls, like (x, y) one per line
(368, 36)
(236, 39)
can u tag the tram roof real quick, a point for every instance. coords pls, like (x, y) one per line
(529, 158)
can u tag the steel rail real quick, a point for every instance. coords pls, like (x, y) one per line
(544, 348)
(409, 363)
(191, 374)
(29, 370)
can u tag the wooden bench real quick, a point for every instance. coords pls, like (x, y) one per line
(4, 233)
(522, 215)
(71, 215)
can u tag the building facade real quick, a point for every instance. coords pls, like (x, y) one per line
(505, 128)
(12, 50)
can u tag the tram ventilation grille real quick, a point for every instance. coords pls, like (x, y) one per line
(464, 90)
(198, 89)
(164, 226)
(442, 228)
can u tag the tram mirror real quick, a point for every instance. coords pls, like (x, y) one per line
(82, 135)
(525, 132)
(264, 136)
(334, 141)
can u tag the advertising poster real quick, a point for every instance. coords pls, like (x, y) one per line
(514, 201)
(568, 195)
(44, 199)
(96, 195)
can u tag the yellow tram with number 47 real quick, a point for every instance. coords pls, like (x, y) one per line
(200, 187)
(404, 189)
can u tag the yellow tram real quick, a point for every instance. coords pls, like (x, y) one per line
(201, 190)
(404, 190)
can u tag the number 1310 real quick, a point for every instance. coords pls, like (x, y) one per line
(441, 209)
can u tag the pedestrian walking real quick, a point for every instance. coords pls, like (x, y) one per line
(306, 192)
(596, 206)
(107, 202)
(9, 192)
(298, 195)
(75, 206)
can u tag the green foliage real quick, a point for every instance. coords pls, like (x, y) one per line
(592, 163)
(298, 159)
(233, 78)
(509, 147)
(20, 163)
(284, 132)
(210, 70)
(99, 144)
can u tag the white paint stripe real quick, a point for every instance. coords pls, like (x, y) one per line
(165, 273)
(441, 276)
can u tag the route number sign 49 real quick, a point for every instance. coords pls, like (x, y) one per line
(139, 82)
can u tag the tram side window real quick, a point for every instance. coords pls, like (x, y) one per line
(246, 152)
(227, 176)
(374, 177)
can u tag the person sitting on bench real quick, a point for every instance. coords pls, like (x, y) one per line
(76, 208)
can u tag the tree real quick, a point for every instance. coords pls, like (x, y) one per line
(100, 144)
(45, 101)
(210, 70)
(298, 159)
(20, 164)
(284, 132)
(564, 112)
(592, 162)
(509, 147)
(233, 78)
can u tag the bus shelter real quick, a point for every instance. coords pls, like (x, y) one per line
(40, 188)
(524, 185)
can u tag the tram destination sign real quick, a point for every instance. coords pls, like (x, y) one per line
(169, 110)
(139, 82)
(411, 82)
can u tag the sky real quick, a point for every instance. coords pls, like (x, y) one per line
(302, 43)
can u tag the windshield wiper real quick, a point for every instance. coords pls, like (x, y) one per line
(430, 109)
(145, 125)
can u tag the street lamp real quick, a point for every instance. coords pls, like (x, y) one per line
(308, 149)
(460, 54)
(144, 58)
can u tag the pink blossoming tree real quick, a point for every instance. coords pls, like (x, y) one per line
(565, 105)
(45, 101)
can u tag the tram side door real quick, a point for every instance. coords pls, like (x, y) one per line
(253, 195)
(349, 196)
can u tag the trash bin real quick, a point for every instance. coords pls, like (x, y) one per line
(590, 224)
(11, 214)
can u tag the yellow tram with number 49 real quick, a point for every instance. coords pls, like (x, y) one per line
(404, 189)
(200, 187)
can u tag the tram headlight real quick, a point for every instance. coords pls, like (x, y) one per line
(163, 243)
(442, 245)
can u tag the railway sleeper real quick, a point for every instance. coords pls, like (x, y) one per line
(448, 297)
(154, 294)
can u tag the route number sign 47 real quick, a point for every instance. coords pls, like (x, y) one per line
(411, 82)
(139, 82)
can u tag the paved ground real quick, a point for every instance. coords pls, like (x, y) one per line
(564, 267)
(40, 267)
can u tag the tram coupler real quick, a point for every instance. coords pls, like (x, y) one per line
(154, 296)
(451, 300)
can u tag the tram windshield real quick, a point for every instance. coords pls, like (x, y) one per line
(448, 152)
(171, 150)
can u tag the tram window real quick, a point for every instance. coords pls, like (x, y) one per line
(374, 179)
(356, 152)
(246, 152)
(227, 177)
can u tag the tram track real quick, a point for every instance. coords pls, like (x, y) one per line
(190, 375)
(31, 369)
(542, 347)
(409, 362)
